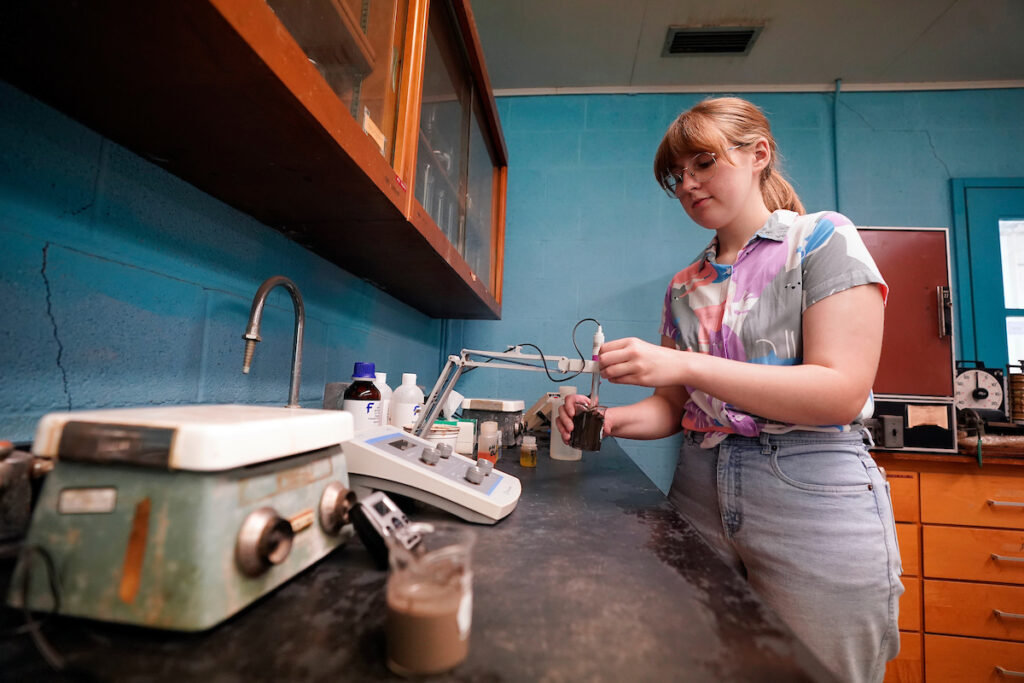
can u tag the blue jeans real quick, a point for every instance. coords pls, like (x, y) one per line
(806, 517)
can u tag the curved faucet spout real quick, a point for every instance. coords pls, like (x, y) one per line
(252, 333)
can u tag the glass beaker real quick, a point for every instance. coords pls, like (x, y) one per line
(587, 428)
(430, 600)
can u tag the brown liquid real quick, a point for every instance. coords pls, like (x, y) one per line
(422, 628)
(587, 429)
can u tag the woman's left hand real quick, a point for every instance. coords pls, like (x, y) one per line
(634, 361)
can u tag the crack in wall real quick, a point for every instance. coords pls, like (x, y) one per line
(53, 322)
(924, 131)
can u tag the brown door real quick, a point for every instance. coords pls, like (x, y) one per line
(915, 359)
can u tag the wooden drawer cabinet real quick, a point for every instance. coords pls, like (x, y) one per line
(910, 605)
(907, 667)
(909, 538)
(961, 537)
(974, 609)
(903, 488)
(950, 659)
(973, 554)
(972, 500)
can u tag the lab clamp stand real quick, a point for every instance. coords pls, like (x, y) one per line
(514, 359)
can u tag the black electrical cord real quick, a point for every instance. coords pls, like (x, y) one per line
(556, 380)
(27, 554)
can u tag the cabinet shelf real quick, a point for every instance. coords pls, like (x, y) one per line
(219, 94)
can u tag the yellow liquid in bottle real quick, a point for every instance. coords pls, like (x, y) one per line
(528, 457)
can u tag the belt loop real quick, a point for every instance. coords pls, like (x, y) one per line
(766, 447)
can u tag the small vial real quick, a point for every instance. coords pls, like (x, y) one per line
(487, 444)
(528, 452)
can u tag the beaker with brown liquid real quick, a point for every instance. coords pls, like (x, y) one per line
(430, 600)
(587, 428)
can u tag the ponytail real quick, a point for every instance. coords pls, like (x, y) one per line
(778, 193)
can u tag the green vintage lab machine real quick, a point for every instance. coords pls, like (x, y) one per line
(178, 517)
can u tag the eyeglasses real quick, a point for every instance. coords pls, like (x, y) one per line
(701, 168)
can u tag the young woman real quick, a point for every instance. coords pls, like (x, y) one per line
(770, 342)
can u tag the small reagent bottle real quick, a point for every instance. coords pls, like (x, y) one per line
(528, 451)
(362, 398)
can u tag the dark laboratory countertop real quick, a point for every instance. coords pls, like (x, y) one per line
(594, 577)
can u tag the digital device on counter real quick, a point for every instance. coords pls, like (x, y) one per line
(389, 459)
(376, 518)
(178, 517)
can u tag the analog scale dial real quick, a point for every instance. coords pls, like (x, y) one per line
(978, 389)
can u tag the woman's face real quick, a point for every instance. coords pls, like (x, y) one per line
(731, 195)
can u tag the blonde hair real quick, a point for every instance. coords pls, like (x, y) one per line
(718, 123)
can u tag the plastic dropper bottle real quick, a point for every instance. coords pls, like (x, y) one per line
(487, 445)
(559, 450)
(362, 398)
(406, 401)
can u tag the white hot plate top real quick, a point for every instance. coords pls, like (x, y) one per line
(200, 437)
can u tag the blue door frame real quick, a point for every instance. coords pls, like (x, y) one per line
(980, 316)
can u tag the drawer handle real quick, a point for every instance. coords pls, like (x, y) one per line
(1007, 615)
(1006, 558)
(1008, 672)
(1004, 504)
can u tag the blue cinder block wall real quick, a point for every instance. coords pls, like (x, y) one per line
(590, 234)
(123, 285)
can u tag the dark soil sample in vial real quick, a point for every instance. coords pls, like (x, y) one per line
(587, 429)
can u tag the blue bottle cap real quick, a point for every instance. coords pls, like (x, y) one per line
(363, 371)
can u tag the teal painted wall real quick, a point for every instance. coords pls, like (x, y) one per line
(590, 234)
(123, 285)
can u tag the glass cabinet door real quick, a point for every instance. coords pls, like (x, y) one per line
(456, 167)
(444, 112)
(483, 181)
(357, 46)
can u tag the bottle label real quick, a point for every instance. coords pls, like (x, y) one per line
(404, 413)
(364, 413)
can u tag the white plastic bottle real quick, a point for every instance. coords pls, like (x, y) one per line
(560, 450)
(487, 446)
(406, 401)
(381, 382)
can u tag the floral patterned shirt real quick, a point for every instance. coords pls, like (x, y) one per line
(752, 311)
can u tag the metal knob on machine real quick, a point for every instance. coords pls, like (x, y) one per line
(474, 475)
(265, 539)
(430, 455)
(485, 466)
(335, 504)
(445, 449)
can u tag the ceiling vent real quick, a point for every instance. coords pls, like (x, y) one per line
(714, 40)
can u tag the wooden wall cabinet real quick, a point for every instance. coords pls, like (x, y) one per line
(305, 114)
(961, 534)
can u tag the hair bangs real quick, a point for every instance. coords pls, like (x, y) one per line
(693, 132)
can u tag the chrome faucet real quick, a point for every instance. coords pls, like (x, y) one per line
(252, 333)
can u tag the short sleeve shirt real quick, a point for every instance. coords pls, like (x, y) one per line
(752, 311)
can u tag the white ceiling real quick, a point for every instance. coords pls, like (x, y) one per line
(616, 45)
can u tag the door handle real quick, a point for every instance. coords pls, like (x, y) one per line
(945, 310)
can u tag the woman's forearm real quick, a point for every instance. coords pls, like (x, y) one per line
(654, 417)
(797, 394)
